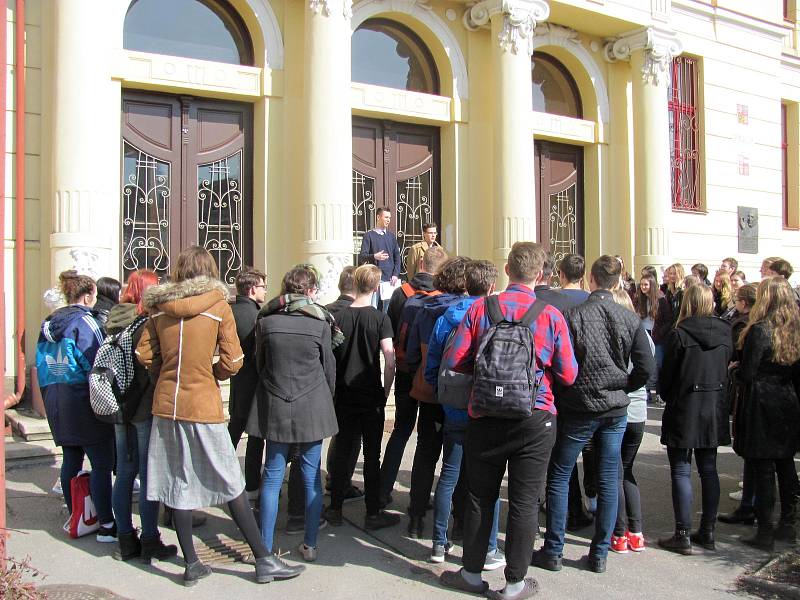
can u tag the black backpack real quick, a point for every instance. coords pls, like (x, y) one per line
(505, 383)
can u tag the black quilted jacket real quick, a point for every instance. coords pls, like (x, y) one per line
(605, 335)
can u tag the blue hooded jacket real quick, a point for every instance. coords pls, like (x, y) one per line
(438, 338)
(68, 342)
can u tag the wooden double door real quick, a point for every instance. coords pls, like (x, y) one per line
(186, 179)
(558, 169)
(395, 165)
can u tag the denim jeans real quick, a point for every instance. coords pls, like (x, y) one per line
(274, 470)
(405, 416)
(573, 433)
(453, 469)
(132, 460)
(101, 459)
(680, 466)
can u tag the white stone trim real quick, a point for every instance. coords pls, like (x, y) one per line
(374, 98)
(365, 9)
(267, 22)
(553, 35)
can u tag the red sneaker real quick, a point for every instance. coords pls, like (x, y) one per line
(635, 541)
(619, 544)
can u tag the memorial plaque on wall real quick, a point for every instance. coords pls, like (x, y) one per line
(748, 230)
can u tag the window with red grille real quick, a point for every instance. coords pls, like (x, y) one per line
(684, 134)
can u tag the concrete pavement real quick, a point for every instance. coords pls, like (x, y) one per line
(386, 565)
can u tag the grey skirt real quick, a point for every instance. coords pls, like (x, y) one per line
(192, 465)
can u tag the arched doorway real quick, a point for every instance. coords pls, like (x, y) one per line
(187, 174)
(558, 168)
(394, 164)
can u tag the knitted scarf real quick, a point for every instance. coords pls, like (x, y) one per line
(299, 303)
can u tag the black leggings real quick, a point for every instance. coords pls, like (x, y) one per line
(680, 465)
(629, 508)
(764, 470)
(242, 516)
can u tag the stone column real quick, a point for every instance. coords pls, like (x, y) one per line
(328, 238)
(650, 52)
(512, 24)
(85, 108)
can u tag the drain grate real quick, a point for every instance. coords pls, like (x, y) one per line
(78, 592)
(222, 549)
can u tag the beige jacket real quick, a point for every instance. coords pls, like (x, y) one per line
(415, 253)
(189, 322)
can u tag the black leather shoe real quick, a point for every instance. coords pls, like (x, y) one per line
(129, 546)
(416, 526)
(678, 543)
(596, 564)
(741, 516)
(194, 572)
(785, 532)
(272, 567)
(704, 538)
(548, 562)
(153, 547)
(381, 520)
(764, 539)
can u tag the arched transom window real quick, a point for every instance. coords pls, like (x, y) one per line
(389, 54)
(554, 89)
(200, 29)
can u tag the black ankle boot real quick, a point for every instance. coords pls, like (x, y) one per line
(194, 572)
(741, 516)
(153, 547)
(678, 543)
(764, 539)
(129, 546)
(704, 537)
(785, 532)
(272, 567)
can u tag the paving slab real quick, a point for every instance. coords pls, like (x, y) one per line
(385, 564)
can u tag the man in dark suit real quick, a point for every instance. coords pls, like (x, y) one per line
(250, 294)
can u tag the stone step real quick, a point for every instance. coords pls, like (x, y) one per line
(28, 426)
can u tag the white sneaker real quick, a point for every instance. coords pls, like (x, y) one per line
(494, 560)
(590, 504)
(136, 485)
(57, 487)
(737, 495)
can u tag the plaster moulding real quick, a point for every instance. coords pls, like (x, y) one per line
(519, 21)
(659, 45)
(558, 32)
(330, 7)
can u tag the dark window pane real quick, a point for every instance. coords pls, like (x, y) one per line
(201, 29)
(554, 90)
(388, 54)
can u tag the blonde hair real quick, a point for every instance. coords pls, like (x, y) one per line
(698, 301)
(776, 307)
(622, 298)
(680, 275)
(691, 280)
(366, 278)
(726, 289)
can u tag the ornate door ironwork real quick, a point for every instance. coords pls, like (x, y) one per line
(559, 191)
(187, 180)
(395, 165)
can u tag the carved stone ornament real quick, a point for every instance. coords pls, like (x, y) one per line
(558, 31)
(660, 46)
(329, 7)
(408, 5)
(519, 21)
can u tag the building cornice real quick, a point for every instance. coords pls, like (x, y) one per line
(693, 8)
(519, 21)
(660, 46)
(327, 8)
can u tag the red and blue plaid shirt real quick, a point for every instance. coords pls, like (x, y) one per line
(555, 358)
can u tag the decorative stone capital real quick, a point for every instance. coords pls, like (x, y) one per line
(327, 8)
(519, 21)
(659, 45)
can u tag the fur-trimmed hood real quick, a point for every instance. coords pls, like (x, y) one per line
(185, 298)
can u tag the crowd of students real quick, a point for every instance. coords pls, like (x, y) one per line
(515, 384)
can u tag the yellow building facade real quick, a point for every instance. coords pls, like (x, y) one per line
(270, 131)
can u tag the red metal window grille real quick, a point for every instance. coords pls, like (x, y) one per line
(684, 134)
(784, 167)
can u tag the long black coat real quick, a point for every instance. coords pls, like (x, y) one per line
(297, 378)
(694, 384)
(768, 414)
(243, 384)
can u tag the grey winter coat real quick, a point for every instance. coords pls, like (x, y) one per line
(768, 413)
(605, 336)
(297, 378)
(694, 384)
